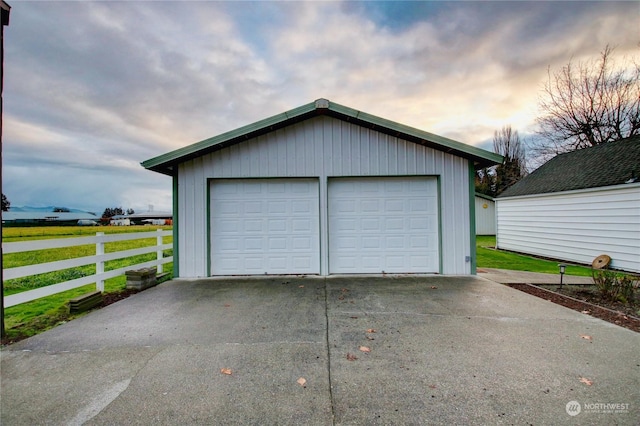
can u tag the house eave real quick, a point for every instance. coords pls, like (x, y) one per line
(571, 191)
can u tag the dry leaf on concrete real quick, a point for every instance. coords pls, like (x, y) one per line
(364, 349)
(302, 381)
(351, 357)
(371, 330)
(586, 381)
(226, 371)
(585, 337)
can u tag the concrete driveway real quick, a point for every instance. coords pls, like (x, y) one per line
(442, 350)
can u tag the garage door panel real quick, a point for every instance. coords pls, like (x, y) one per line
(277, 226)
(301, 207)
(301, 226)
(383, 225)
(265, 226)
(302, 262)
(277, 243)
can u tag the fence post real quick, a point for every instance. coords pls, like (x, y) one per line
(99, 262)
(160, 254)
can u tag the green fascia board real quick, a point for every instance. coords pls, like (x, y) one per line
(190, 151)
(486, 197)
(440, 142)
(165, 163)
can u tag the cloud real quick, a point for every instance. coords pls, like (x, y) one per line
(93, 88)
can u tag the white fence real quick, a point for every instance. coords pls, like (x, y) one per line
(98, 259)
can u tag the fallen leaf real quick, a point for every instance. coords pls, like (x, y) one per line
(344, 290)
(586, 381)
(353, 317)
(370, 338)
(371, 330)
(434, 287)
(226, 305)
(585, 337)
(351, 357)
(302, 381)
(364, 349)
(432, 386)
(300, 286)
(585, 312)
(226, 371)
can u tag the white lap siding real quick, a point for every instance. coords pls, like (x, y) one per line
(574, 225)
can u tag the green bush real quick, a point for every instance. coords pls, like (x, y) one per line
(615, 286)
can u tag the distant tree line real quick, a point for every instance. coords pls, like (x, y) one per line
(116, 211)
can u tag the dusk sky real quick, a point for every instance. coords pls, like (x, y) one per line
(94, 88)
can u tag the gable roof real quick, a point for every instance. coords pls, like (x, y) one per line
(167, 163)
(612, 163)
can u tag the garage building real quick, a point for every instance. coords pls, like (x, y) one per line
(323, 189)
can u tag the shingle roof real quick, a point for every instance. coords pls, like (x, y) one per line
(612, 163)
(166, 163)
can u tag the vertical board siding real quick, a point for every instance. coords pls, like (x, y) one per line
(485, 218)
(574, 226)
(324, 147)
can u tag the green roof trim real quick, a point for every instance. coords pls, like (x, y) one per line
(166, 163)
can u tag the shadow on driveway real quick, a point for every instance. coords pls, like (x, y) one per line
(383, 350)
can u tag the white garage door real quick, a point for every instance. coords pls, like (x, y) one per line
(263, 226)
(381, 225)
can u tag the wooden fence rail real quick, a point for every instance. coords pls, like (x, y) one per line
(98, 259)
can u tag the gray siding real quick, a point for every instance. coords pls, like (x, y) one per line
(324, 147)
(575, 226)
(485, 217)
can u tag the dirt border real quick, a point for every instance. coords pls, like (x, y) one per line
(606, 314)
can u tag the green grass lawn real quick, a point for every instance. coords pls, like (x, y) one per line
(33, 317)
(488, 257)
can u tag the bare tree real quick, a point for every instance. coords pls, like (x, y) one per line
(507, 143)
(589, 103)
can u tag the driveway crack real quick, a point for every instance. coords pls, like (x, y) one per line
(326, 315)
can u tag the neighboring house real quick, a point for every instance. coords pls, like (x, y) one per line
(323, 189)
(577, 206)
(485, 215)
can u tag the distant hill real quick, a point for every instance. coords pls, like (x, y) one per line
(47, 209)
